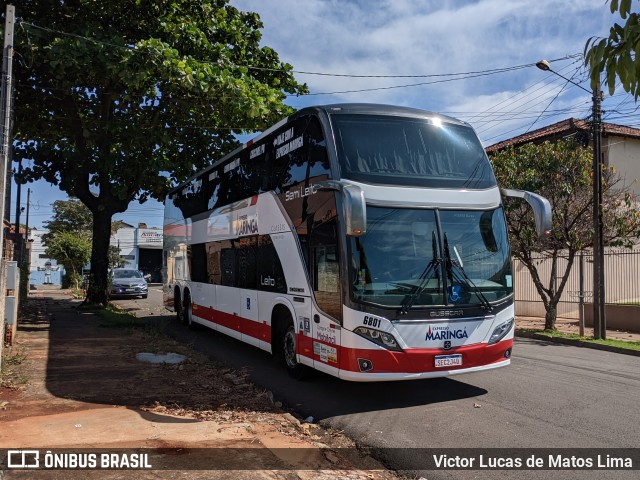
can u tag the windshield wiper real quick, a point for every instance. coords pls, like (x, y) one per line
(424, 278)
(456, 272)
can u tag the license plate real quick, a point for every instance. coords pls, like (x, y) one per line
(130, 290)
(448, 360)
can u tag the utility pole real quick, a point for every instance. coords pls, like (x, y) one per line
(599, 318)
(599, 321)
(18, 211)
(5, 127)
(5, 122)
(26, 227)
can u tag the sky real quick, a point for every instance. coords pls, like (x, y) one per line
(470, 59)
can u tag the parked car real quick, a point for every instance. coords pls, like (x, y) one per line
(126, 282)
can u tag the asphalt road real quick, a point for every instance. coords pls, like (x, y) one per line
(552, 396)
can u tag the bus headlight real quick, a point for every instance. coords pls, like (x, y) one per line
(500, 332)
(383, 339)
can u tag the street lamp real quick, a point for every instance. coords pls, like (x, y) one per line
(599, 318)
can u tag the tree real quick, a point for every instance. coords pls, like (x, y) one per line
(561, 172)
(71, 251)
(617, 55)
(68, 216)
(117, 101)
(72, 216)
(114, 258)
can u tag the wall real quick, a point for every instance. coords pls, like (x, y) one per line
(131, 240)
(622, 285)
(624, 154)
(125, 239)
(38, 268)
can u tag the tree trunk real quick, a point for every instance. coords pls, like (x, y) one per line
(97, 292)
(550, 315)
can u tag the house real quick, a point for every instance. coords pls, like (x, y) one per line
(620, 149)
(141, 248)
(620, 145)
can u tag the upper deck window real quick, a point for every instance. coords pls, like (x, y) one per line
(392, 150)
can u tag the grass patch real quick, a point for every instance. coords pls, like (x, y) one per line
(12, 374)
(14, 359)
(114, 318)
(572, 336)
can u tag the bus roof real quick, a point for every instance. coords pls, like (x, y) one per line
(336, 108)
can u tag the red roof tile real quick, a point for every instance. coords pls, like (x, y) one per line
(568, 126)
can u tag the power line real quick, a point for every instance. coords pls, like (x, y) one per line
(451, 76)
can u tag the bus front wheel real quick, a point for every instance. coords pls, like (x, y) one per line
(289, 349)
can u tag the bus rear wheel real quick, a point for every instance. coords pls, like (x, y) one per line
(177, 306)
(188, 312)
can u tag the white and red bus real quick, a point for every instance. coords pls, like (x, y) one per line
(365, 241)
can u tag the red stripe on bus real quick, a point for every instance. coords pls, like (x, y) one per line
(418, 360)
(415, 360)
(256, 329)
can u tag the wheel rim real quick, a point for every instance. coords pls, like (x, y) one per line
(289, 344)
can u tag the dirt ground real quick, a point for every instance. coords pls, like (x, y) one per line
(71, 380)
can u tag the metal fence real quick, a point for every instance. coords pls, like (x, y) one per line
(621, 275)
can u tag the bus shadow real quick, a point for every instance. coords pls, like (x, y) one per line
(322, 395)
(91, 362)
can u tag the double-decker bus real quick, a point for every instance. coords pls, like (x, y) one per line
(365, 241)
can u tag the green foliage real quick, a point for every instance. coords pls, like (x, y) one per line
(72, 251)
(71, 280)
(115, 318)
(115, 260)
(561, 172)
(617, 55)
(119, 100)
(68, 216)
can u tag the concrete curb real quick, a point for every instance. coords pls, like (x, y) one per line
(578, 343)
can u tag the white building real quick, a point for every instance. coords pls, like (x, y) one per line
(44, 270)
(141, 248)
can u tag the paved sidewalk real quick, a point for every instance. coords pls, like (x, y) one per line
(85, 390)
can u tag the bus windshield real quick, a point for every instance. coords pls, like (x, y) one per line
(408, 257)
(391, 150)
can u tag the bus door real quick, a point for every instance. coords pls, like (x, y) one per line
(327, 311)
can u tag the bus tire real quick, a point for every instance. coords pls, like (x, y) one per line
(288, 345)
(188, 312)
(177, 305)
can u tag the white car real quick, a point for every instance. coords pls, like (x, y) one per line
(126, 282)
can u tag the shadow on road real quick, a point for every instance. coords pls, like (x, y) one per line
(321, 395)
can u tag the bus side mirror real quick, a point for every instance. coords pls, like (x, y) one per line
(355, 208)
(541, 209)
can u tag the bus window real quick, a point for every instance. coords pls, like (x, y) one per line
(246, 255)
(270, 273)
